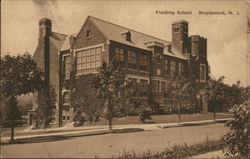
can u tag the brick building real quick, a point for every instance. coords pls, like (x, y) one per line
(148, 60)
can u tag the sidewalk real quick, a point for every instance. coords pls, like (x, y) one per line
(97, 130)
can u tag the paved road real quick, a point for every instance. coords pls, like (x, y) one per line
(108, 145)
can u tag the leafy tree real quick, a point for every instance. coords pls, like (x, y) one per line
(113, 89)
(155, 107)
(19, 75)
(144, 113)
(46, 106)
(25, 103)
(215, 94)
(10, 112)
(86, 106)
(235, 95)
(237, 138)
(182, 93)
(85, 102)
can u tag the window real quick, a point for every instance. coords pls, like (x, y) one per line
(176, 30)
(64, 117)
(143, 87)
(66, 66)
(134, 85)
(131, 59)
(172, 67)
(181, 68)
(202, 72)
(143, 62)
(163, 86)
(166, 66)
(66, 98)
(88, 33)
(68, 117)
(156, 85)
(88, 59)
(119, 54)
(158, 71)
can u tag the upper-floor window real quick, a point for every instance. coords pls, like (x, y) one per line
(172, 67)
(158, 71)
(166, 66)
(181, 68)
(176, 30)
(202, 72)
(88, 59)
(88, 33)
(143, 62)
(66, 66)
(66, 98)
(143, 87)
(119, 54)
(163, 86)
(155, 85)
(131, 59)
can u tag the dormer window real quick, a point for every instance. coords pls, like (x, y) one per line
(126, 36)
(88, 33)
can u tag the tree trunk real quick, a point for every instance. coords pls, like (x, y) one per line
(214, 114)
(12, 133)
(110, 123)
(13, 116)
(179, 114)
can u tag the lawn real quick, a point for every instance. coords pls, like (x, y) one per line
(172, 118)
(109, 145)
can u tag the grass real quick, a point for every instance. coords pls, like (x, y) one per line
(172, 118)
(178, 151)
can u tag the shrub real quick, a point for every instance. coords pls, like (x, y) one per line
(236, 138)
(79, 117)
(179, 151)
(144, 114)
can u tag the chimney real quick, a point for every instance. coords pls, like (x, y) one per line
(180, 35)
(45, 27)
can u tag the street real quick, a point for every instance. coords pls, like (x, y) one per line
(113, 145)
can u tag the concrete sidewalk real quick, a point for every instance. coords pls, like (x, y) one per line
(97, 130)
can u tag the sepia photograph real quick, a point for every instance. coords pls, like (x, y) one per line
(125, 79)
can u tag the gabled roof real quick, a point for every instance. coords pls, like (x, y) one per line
(67, 43)
(113, 32)
(57, 39)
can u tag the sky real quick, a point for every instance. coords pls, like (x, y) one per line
(226, 34)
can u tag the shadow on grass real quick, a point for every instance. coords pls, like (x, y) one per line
(69, 136)
(195, 124)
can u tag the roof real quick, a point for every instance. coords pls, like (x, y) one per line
(57, 39)
(113, 32)
(174, 53)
